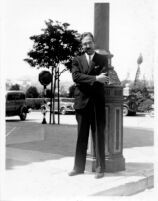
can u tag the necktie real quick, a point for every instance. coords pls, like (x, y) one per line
(89, 58)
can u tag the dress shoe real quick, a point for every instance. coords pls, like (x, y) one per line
(99, 175)
(74, 172)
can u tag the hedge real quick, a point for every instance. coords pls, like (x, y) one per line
(36, 103)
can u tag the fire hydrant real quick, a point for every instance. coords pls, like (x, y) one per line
(44, 110)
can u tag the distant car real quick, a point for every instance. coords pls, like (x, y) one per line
(132, 105)
(16, 104)
(66, 105)
(129, 105)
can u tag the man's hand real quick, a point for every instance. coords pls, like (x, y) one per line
(102, 78)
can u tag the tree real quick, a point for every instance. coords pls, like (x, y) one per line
(15, 87)
(56, 45)
(139, 61)
(32, 92)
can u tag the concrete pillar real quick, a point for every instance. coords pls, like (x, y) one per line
(114, 160)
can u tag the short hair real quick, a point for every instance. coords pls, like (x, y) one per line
(87, 34)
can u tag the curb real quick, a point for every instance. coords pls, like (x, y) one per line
(129, 188)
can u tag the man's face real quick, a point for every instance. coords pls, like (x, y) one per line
(88, 45)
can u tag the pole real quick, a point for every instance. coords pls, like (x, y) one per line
(58, 98)
(55, 77)
(51, 98)
(101, 26)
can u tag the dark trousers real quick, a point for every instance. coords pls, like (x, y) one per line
(92, 116)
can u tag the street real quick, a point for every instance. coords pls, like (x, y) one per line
(138, 132)
(140, 120)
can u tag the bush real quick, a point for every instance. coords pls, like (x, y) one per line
(35, 103)
(32, 92)
(145, 105)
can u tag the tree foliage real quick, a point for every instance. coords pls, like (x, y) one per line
(15, 87)
(57, 44)
(32, 92)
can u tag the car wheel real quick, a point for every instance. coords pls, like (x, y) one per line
(125, 111)
(63, 111)
(131, 113)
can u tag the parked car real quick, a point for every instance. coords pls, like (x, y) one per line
(132, 105)
(129, 105)
(16, 104)
(66, 105)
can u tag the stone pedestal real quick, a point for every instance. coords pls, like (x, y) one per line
(114, 160)
(114, 129)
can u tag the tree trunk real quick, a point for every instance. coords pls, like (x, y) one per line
(58, 98)
(55, 78)
(51, 98)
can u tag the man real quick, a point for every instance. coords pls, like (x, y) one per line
(88, 72)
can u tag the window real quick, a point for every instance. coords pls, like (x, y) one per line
(15, 96)
(10, 97)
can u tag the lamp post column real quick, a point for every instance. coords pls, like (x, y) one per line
(114, 160)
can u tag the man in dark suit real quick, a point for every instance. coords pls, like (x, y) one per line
(89, 74)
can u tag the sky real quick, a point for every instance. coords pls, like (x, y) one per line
(132, 32)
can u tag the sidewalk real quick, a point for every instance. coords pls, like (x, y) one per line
(38, 169)
(43, 175)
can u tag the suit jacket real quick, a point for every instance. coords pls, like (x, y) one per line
(85, 78)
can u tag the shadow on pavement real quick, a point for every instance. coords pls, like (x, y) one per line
(137, 115)
(18, 120)
(60, 140)
(137, 137)
(10, 163)
(13, 120)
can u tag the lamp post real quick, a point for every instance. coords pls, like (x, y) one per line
(45, 79)
(114, 160)
(44, 111)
